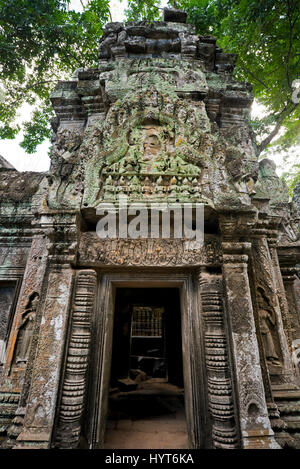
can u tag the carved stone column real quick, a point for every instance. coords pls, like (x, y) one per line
(272, 242)
(221, 403)
(289, 275)
(255, 425)
(74, 382)
(62, 231)
(31, 285)
(288, 258)
(270, 321)
(285, 255)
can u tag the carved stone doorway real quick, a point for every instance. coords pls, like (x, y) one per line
(106, 367)
(147, 335)
(146, 399)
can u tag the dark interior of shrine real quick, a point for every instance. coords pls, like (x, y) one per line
(147, 335)
(147, 371)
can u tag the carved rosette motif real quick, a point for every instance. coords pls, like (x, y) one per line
(74, 383)
(224, 431)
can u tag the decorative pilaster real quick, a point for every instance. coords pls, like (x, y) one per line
(221, 405)
(62, 232)
(289, 275)
(32, 282)
(270, 323)
(74, 383)
(272, 242)
(255, 426)
(19, 374)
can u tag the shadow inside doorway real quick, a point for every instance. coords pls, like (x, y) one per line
(146, 399)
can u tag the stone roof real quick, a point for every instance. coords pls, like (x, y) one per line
(5, 164)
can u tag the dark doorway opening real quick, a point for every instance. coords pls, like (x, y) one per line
(146, 399)
(147, 334)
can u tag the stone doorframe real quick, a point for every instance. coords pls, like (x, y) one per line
(195, 385)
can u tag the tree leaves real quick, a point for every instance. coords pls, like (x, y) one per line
(266, 36)
(139, 10)
(41, 42)
(37, 129)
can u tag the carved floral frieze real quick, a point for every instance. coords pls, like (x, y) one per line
(147, 252)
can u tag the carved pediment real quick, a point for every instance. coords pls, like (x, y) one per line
(152, 167)
(155, 146)
(149, 152)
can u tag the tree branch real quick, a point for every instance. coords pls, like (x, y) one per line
(67, 54)
(280, 118)
(287, 60)
(253, 76)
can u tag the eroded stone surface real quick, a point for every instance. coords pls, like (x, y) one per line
(160, 119)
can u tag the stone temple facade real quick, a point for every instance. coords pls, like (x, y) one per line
(159, 120)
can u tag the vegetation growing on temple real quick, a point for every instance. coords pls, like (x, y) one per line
(43, 40)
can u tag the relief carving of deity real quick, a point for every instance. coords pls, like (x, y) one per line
(151, 145)
(267, 324)
(152, 159)
(26, 329)
(154, 164)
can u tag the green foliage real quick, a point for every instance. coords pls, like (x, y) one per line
(139, 10)
(41, 42)
(292, 178)
(266, 36)
(37, 129)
